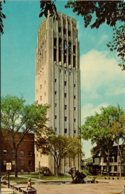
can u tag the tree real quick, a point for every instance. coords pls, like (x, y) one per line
(59, 147)
(47, 7)
(118, 130)
(96, 13)
(2, 16)
(99, 129)
(17, 117)
(118, 44)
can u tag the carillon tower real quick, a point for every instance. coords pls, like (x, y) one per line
(57, 79)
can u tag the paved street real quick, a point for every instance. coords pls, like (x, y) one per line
(104, 187)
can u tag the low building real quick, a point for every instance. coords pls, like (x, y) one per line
(116, 165)
(25, 154)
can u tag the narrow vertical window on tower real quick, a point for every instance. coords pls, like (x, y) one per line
(74, 61)
(74, 49)
(65, 50)
(69, 53)
(55, 51)
(60, 48)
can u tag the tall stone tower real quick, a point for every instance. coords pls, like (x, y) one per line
(57, 79)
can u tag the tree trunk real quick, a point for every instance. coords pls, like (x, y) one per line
(119, 161)
(108, 163)
(16, 163)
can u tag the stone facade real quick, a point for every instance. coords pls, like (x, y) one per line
(57, 80)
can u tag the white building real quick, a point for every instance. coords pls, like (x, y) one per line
(57, 79)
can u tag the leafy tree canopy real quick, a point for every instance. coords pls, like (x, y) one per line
(96, 13)
(105, 129)
(59, 147)
(47, 7)
(100, 125)
(118, 44)
(2, 16)
(17, 117)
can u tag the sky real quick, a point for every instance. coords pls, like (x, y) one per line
(102, 80)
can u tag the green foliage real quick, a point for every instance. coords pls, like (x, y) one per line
(95, 13)
(47, 7)
(59, 147)
(17, 117)
(104, 130)
(99, 126)
(2, 16)
(118, 44)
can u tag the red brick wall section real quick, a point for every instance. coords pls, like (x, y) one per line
(26, 156)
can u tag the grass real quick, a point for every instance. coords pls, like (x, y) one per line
(22, 179)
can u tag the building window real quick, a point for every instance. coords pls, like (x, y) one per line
(65, 130)
(40, 86)
(74, 131)
(4, 151)
(21, 153)
(110, 168)
(65, 95)
(64, 30)
(59, 29)
(74, 61)
(54, 54)
(55, 42)
(30, 154)
(115, 168)
(74, 120)
(4, 162)
(40, 97)
(74, 49)
(74, 108)
(74, 85)
(13, 162)
(65, 106)
(55, 105)
(105, 159)
(55, 80)
(69, 59)
(55, 92)
(69, 33)
(60, 47)
(30, 163)
(65, 118)
(55, 116)
(65, 83)
(74, 97)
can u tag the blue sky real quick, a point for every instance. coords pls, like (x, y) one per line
(102, 81)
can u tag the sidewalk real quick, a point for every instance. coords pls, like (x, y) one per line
(104, 187)
(65, 187)
(6, 191)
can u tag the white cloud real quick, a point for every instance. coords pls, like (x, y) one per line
(116, 91)
(98, 70)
